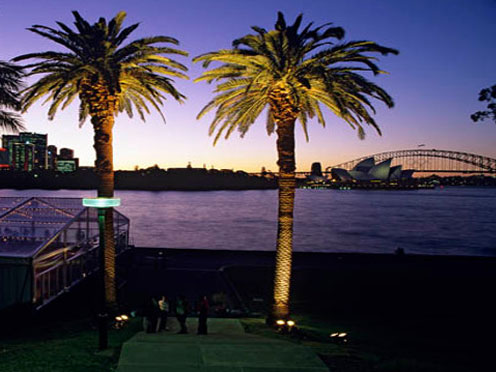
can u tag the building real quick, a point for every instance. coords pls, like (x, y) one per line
(66, 154)
(316, 175)
(23, 156)
(52, 157)
(27, 151)
(66, 166)
(40, 147)
(8, 141)
(66, 162)
(4, 159)
(367, 170)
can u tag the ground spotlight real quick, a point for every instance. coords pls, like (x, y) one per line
(285, 326)
(339, 337)
(120, 321)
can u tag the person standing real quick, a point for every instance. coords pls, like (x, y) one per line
(182, 313)
(202, 315)
(150, 310)
(163, 306)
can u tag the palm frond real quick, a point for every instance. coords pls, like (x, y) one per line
(138, 73)
(307, 68)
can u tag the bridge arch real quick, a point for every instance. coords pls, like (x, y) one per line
(424, 160)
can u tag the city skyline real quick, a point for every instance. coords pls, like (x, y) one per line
(444, 62)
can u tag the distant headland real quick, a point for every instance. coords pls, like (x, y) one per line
(152, 179)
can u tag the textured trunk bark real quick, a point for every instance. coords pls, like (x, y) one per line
(102, 108)
(287, 184)
(284, 112)
(104, 168)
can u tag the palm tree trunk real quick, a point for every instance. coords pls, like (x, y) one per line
(287, 184)
(102, 126)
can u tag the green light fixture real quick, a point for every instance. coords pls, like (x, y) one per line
(101, 202)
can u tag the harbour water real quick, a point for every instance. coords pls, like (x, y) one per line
(451, 221)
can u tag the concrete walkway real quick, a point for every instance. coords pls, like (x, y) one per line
(226, 348)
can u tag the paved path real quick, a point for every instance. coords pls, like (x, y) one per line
(226, 348)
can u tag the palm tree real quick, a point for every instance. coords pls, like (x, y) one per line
(292, 73)
(10, 86)
(108, 77)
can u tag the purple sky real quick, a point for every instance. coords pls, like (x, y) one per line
(447, 55)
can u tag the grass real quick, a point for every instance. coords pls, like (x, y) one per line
(370, 347)
(413, 320)
(69, 345)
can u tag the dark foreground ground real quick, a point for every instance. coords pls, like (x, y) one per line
(401, 313)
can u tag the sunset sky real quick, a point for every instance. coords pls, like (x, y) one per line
(447, 56)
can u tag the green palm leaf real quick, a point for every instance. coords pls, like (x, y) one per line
(96, 53)
(10, 86)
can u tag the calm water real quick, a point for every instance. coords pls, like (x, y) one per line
(458, 221)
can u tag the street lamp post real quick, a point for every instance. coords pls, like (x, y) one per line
(101, 204)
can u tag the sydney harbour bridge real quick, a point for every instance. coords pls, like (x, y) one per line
(428, 161)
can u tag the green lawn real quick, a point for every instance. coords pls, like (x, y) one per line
(373, 347)
(409, 320)
(69, 345)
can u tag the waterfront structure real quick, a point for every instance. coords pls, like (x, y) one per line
(368, 170)
(430, 161)
(48, 245)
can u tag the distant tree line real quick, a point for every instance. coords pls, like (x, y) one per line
(152, 180)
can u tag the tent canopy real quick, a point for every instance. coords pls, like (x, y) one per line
(47, 245)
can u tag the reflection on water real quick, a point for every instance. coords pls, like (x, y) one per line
(441, 221)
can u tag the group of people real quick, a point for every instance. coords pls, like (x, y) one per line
(157, 310)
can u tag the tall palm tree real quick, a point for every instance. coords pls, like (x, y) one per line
(291, 72)
(108, 77)
(10, 86)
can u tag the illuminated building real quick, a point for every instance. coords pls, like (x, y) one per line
(23, 156)
(69, 165)
(40, 147)
(367, 170)
(27, 151)
(4, 159)
(52, 157)
(8, 141)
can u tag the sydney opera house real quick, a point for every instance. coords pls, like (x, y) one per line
(367, 170)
